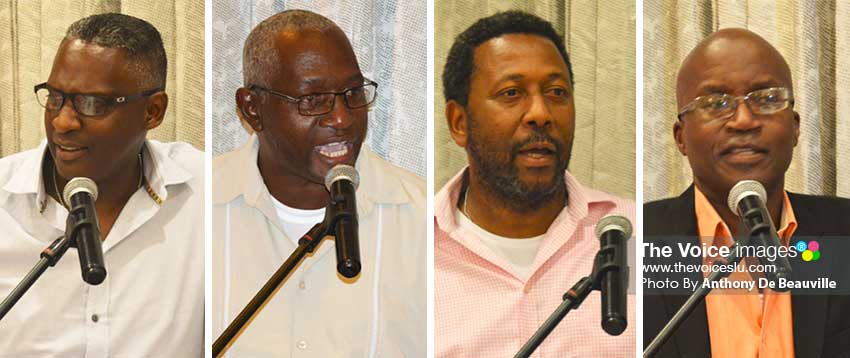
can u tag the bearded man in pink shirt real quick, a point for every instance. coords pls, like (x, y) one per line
(515, 230)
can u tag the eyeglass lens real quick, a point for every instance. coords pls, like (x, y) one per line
(87, 105)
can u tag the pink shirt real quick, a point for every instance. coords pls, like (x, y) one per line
(483, 309)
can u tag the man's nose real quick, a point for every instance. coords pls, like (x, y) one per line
(538, 114)
(67, 119)
(743, 119)
(340, 116)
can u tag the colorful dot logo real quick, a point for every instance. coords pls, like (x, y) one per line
(810, 251)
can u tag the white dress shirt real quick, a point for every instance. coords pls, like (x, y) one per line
(317, 313)
(152, 301)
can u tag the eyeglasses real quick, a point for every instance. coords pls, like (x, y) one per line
(723, 106)
(315, 104)
(88, 105)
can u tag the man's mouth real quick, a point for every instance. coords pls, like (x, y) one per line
(537, 154)
(70, 149)
(743, 154)
(69, 152)
(335, 150)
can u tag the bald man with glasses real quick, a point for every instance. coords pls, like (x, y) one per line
(736, 121)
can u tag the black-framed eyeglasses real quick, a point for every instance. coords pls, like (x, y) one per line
(89, 105)
(315, 104)
(723, 106)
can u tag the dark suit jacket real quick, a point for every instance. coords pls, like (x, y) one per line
(821, 323)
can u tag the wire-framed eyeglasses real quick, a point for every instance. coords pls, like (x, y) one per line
(315, 104)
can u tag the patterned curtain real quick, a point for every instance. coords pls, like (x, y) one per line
(389, 39)
(30, 33)
(600, 39)
(814, 38)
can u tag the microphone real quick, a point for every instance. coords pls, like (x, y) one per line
(613, 232)
(342, 181)
(82, 228)
(746, 199)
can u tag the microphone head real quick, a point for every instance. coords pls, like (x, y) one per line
(614, 222)
(342, 171)
(743, 189)
(79, 184)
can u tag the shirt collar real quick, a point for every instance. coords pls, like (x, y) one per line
(160, 171)
(376, 187)
(710, 226)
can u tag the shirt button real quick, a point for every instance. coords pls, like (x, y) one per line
(302, 344)
(302, 285)
(94, 318)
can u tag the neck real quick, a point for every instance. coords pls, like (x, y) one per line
(496, 216)
(292, 190)
(114, 192)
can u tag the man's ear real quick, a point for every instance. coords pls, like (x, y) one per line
(155, 108)
(246, 102)
(456, 119)
(677, 135)
(796, 127)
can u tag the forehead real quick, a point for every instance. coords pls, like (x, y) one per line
(313, 60)
(517, 55)
(736, 66)
(81, 67)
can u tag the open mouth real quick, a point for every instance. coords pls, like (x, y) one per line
(70, 149)
(537, 154)
(743, 154)
(69, 152)
(335, 150)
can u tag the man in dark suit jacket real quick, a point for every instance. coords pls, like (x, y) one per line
(736, 122)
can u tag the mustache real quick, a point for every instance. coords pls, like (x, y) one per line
(537, 137)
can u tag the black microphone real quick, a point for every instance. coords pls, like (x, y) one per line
(342, 181)
(613, 232)
(747, 199)
(82, 228)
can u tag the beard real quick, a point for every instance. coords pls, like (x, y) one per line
(497, 173)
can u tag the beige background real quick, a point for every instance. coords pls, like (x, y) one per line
(814, 38)
(600, 39)
(30, 32)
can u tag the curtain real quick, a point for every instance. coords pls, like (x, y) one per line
(600, 39)
(814, 38)
(30, 33)
(389, 39)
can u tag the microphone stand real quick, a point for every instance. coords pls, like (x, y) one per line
(307, 244)
(696, 297)
(572, 300)
(49, 257)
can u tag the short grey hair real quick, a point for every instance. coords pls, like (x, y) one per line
(140, 41)
(259, 56)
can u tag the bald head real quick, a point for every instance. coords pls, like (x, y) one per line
(261, 58)
(731, 58)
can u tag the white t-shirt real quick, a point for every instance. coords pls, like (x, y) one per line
(520, 252)
(296, 222)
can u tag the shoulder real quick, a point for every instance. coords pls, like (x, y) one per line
(620, 204)
(823, 211)
(658, 206)
(387, 175)
(12, 164)
(820, 203)
(183, 154)
(226, 162)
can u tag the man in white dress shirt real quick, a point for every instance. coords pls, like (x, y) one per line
(106, 89)
(307, 101)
